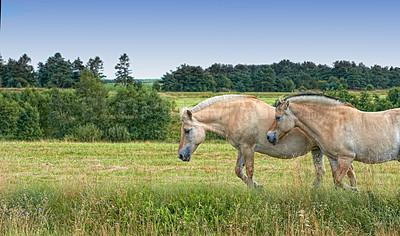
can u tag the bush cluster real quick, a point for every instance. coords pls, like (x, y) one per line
(367, 101)
(87, 113)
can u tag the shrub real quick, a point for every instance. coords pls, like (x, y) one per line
(118, 133)
(86, 133)
(62, 112)
(28, 127)
(9, 114)
(369, 87)
(144, 114)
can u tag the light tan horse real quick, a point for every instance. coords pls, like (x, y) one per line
(341, 131)
(244, 122)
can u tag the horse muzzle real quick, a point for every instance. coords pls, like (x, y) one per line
(272, 137)
(185, 154)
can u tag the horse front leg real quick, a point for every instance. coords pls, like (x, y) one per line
(319, 166)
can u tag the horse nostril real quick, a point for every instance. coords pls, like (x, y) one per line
(180, 156)
(272, 138)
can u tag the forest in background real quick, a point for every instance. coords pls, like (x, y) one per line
(284, 76)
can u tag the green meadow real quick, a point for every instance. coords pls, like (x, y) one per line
(53, 187)
(142, 188)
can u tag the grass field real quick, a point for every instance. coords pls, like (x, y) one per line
(188, 99)
(143, 188)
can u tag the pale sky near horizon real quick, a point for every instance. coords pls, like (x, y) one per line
(159, 36)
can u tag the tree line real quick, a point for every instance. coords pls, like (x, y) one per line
(58, 72)
(284, 76)
(86, 113)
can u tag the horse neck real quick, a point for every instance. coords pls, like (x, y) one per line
(211, 119)
(312, 118)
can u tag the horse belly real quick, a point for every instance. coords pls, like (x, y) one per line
(373, 146)
(378, 154)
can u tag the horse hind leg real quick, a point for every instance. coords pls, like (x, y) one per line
(352, 176)
(334, 167)
(344, 164)
(248, 155)
(239, 167)
(319, 166)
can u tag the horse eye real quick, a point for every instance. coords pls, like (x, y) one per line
(187, 131)
(277, 118)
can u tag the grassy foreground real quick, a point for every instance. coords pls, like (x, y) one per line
(143, 188)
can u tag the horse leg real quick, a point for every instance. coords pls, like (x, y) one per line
(352, 176)
(334, 167)
(318, 160)
(342, 169)
(239, 167)
(248, 154)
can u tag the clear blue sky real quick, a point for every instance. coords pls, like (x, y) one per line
(160, 35)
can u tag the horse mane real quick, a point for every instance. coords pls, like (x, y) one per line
(213, 100)
(315, 98)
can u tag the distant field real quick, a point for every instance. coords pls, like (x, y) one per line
(112, 88)
(188, 99)
(143, 188)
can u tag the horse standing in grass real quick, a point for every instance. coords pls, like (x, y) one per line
(341, 131)
(244, 122)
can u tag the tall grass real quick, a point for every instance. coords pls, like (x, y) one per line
(142, 188)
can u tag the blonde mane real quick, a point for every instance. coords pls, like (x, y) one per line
(213, 100)
(315, 98)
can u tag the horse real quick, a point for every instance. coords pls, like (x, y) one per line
(341, 131)
(244, 121)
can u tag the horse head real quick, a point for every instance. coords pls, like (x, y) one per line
(284, 123)
(192, 135)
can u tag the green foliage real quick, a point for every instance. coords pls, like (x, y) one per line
(62, 112)
(123, 72)
(365, 101)
(118, 133)
(28, 125)
(144, 114)
(156, 86)
(18, 72)
(56, 72)
(394, 96)
(282, 76)
(9, 115)
(86, 133)
(369, 87)
(95, 65)
(93, 100)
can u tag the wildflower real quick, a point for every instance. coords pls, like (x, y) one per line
(40, 209)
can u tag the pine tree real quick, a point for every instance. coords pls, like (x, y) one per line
(123, 71)
(96, 67)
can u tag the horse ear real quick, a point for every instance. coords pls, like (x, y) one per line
(286, 104)
(189, 113)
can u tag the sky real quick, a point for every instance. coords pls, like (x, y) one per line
(161, 35)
